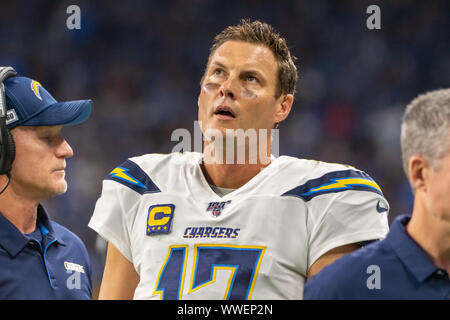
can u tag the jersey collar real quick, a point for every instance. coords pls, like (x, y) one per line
(201, 190)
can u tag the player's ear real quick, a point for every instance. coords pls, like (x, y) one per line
(284, 106)
(419, 169)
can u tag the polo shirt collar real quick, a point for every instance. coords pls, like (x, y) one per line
(46, 227)
(44, 222)
(13, 240)
(410, 253)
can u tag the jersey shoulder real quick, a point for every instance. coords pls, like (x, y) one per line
(314, 178)
(151, 173)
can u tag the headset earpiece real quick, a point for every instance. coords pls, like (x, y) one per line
(12, 149)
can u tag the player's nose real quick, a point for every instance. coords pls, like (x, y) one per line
(228, 88)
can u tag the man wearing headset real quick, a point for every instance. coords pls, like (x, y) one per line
(39, 259)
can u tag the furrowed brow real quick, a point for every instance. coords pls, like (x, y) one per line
(219, 64)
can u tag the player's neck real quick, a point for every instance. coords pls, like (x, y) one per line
(231, 169)
(22, 213)
(232, 176)
(432, 233)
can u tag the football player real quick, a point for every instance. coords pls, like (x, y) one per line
(189, 226)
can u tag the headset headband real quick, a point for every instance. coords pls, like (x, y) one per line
(6, 143)
(5, 73)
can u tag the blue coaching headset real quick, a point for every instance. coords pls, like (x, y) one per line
(23, 101)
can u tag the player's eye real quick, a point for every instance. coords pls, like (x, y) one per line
(251, 79)
(218, 71)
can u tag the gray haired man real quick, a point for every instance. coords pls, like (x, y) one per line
(413, 262)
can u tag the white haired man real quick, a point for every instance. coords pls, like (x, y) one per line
(413, 262)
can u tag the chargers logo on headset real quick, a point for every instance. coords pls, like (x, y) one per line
(159, 218)
(35, 88)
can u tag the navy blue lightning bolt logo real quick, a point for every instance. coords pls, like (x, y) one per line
(337, 181)
(132, 176)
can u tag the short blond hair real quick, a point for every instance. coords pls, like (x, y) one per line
(260, 33)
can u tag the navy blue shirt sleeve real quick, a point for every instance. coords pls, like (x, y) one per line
(325, 285)
(350, 277)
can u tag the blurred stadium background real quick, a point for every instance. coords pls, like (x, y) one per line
(141, 62)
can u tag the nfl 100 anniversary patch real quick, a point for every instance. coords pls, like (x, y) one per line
(217, 207)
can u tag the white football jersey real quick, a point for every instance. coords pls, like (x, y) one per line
(256, 242)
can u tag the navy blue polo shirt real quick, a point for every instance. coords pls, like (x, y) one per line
(394, 268)
(49, 263)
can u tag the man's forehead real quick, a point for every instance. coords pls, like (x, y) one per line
(244, 54)
(38, 128)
